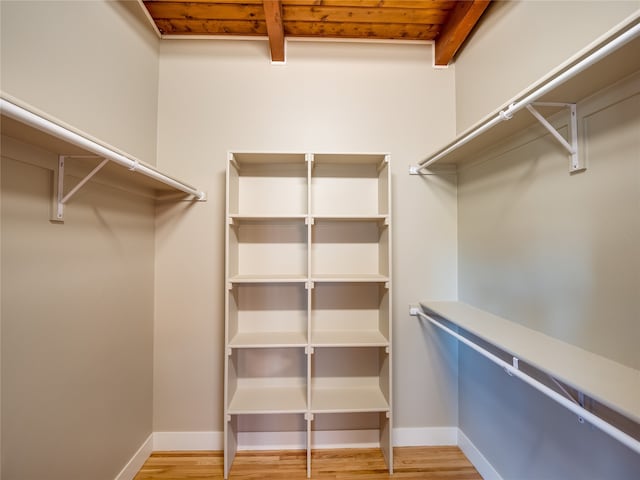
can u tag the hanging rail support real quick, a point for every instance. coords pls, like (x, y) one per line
(60, 198)
(58, 131)
(570, 146)
(506, 114)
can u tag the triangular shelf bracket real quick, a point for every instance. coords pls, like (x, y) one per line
(59, 198)
(577, 163)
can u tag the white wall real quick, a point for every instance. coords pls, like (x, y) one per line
(518, 42)
(556, 252)
(527, 436)
(77, 299)
(91, 64)
(77, 324)
(221, 96)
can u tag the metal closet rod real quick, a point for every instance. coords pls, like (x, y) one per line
(29, 118)
(512, 370)
(508, 112)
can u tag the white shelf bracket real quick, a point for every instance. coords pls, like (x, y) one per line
(308, 416)
(58, 188)
(571, 146)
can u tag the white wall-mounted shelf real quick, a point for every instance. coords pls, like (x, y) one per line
(308, 301)
(90, 156)
(614, 57)
(612, 384)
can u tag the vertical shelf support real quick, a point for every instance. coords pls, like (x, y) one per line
(572, 145)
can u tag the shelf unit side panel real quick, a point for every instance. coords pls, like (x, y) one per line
(384, 311)
(384, 189)
(232, 314)
(384, 260)
(386, 439)
(232, 246)
(233, 189)
(230, 443)
(384, 375)
(231, 363)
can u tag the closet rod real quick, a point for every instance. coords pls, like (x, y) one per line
(512, 370)
(508, 112)
(29, 118)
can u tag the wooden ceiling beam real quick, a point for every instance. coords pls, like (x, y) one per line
(275, 28)
(454, 32)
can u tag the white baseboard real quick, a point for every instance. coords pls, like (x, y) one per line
(485, 469)
(402, 437)
(188, 441)
(429, 436)
(272, 440)
(322, 439)
(133, 466)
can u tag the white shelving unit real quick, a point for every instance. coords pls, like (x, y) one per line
(308, 302)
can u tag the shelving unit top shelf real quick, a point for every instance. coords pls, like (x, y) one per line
(245, 158)
(351, 159)
(273, 278)
(608, 70)
(608, 382)
(362, 278)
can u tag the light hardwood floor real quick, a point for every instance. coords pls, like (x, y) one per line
(433, 463)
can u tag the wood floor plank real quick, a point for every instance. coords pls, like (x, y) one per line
(411, 463)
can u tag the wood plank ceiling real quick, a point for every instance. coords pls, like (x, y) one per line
(446, 22)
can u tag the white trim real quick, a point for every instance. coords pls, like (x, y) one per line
(325, 439)
(320, 439)
(428, 436)
(188, 441)
(402, 437)
(150, 19)
(134, 465)
(485, 469)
